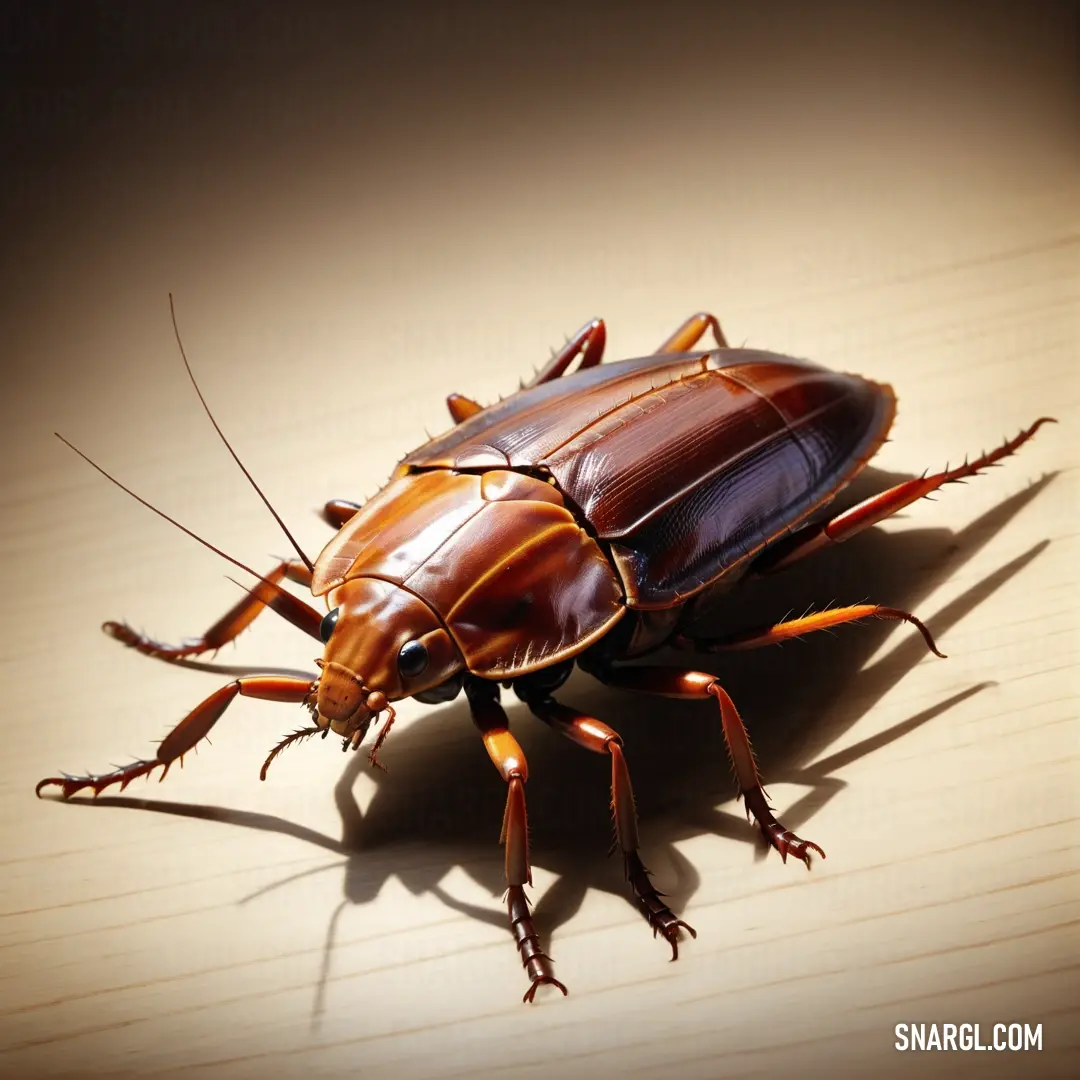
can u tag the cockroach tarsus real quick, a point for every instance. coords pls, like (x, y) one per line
(586, 519)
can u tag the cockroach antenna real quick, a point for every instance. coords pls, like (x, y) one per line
(267, 583)
(191, 375)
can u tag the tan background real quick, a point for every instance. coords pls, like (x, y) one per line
(360, 213)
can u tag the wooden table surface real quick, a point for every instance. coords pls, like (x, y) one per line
(357, 218)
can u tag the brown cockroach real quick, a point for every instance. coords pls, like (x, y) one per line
(586, 518)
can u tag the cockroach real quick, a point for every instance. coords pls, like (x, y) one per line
(585, 519)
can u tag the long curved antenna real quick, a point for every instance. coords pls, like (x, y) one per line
(277, 517)
(173, 521)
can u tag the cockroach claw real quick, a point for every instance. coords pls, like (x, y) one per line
(542, 980)
(788, 843)
(671, 936)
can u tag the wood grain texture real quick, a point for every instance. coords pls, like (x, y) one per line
(358, 218)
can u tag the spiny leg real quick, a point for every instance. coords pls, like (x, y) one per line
(691, 332)
(596, 736)
(338, 511)
(675, 683)
(870, 511)
(507, 756)
(806, 624)
(735, 733)
(588, 342)
(194, 727)
(236, 619)
(461, 407)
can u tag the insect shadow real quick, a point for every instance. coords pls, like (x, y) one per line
(441, 791)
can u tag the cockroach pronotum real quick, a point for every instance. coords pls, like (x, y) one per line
(584, 519)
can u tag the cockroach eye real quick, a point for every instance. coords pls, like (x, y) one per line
(412, 659)
(326, 627)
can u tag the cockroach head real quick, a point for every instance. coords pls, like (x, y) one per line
(383, 643)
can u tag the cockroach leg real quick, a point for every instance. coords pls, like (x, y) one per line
(870, 511)
(596, 736)
(193, 728)
(266, 594)
(288, 740)
(807, 624)
(588, 342)
(508, 758)
(338, 511)
(671, 682)
(691, 332)
(373, 757)
(461, 407)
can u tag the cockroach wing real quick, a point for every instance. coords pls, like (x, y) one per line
(686, 465)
